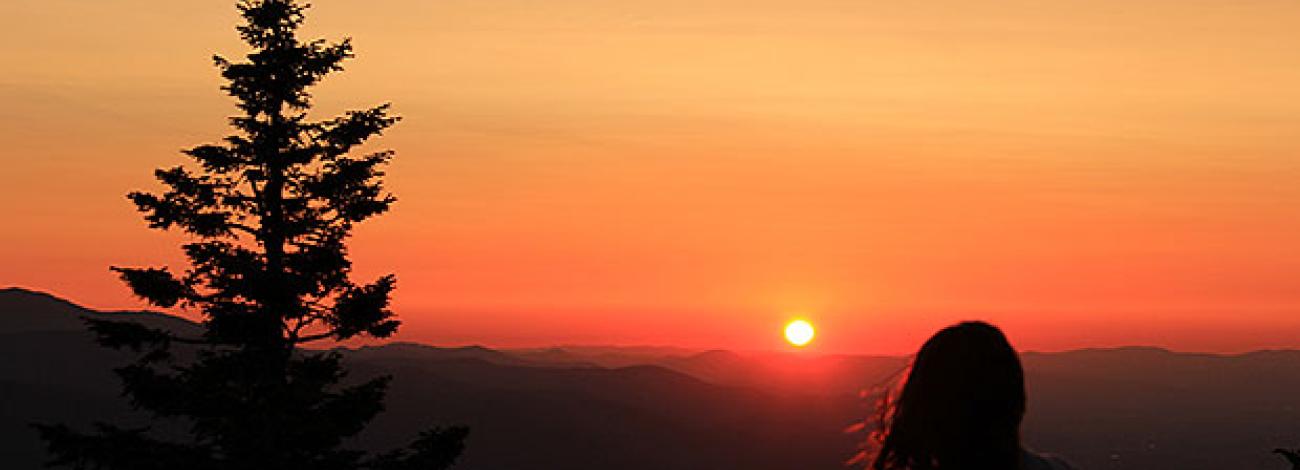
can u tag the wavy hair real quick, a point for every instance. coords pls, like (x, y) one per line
(959, 408)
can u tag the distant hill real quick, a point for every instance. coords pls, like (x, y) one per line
(578, 407)
(23, 311)
(51, 370)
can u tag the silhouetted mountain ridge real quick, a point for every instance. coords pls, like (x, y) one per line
(25, 310)
(642, 408)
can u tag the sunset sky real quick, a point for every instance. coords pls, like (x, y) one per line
(697, 172)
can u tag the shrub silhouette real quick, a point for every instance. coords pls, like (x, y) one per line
(268, 211)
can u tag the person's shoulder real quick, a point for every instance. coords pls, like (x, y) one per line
(1036, 461)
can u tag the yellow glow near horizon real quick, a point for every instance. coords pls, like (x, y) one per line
(656, 172)
(799, 332)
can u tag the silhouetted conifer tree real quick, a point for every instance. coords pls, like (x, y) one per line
(269, 211)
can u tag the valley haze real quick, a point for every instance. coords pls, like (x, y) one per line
(593, 407)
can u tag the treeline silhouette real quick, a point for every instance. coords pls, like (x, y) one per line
(268, 211)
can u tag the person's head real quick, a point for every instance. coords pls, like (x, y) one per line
(960, 407)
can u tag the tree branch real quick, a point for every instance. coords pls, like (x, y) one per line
(315, 337)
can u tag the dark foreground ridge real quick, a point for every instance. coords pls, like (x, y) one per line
(600, 408)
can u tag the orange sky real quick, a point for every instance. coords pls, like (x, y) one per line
(1086, 173)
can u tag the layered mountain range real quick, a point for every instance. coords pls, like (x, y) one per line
(606, 407)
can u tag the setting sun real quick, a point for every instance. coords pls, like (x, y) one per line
(799, 332)
(560, 234)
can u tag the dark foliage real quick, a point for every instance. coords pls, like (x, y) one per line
(269, 211)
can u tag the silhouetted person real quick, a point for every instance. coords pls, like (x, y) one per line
(1291, 456)
(960, 408)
